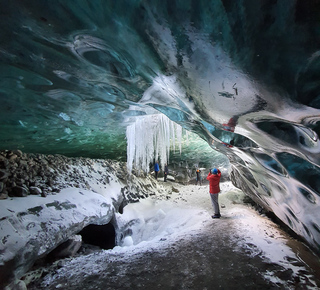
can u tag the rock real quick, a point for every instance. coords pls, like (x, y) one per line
(23, 163)
(43, 194)
(170, 178)
(13, 157)
(35, 190)
(3, 174)
(20, 181)
(18, 152)
(3, 162)
(12, 183)
(55, 190)
(19, 191)
(67, 249)
(50, 182)
(4, 195)
(16, 285)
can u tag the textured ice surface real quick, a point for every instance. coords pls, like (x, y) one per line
(149, 138)
(241, 75)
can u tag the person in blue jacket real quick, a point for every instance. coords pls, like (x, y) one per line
(156, 169)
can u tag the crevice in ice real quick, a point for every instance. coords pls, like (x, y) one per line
(302, 170)
(291, 133)
(269, 163)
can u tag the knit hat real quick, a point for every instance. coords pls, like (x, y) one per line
(215, 171)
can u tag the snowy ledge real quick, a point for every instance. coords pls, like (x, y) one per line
(32, 227)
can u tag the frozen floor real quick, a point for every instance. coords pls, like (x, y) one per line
(175, 244)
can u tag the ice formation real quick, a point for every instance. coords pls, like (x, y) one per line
(150, 139)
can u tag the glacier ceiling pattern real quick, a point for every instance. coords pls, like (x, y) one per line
(243, 75)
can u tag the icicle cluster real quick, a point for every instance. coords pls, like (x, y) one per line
(150, 138)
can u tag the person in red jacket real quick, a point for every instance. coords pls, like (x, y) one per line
(214, 180)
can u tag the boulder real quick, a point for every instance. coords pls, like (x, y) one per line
(18, 153)
(170, 177)
(13, 157)
(67, 249)
(3, 195)
(19, 191)
(3, 174)
(35, 190)
(43, 194)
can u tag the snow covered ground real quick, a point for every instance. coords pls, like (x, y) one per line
(157, 233)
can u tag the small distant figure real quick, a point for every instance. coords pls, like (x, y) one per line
(199, 178)
(166, 172)
(214, 189)
(156, 169)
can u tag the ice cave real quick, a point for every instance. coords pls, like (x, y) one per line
(94, 92)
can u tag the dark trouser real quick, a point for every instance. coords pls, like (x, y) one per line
(165, 176)
(156, 174)
(215, 204)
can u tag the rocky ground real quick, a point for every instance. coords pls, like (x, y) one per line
(242, 250)
(31, 196)
(23, 174)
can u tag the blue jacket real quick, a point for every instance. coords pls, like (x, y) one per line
(156, 167)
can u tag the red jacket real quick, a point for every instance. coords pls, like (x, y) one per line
(214, 180)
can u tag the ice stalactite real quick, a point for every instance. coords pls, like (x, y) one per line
(150, 138)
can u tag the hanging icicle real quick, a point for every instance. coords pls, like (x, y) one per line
(149, 138)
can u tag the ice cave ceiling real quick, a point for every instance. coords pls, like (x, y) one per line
(73, 73)
(243, 75)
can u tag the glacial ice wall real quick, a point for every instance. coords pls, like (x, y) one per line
(242, 75)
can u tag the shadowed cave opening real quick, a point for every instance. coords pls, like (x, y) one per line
(94, 237)
(103, 236)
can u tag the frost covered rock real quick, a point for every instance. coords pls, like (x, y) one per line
(33, 228)
(35, 190)
(19, 191)
(170, 177)
(67, 249)
(47, 174)
(3, 174)
(92, 191)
